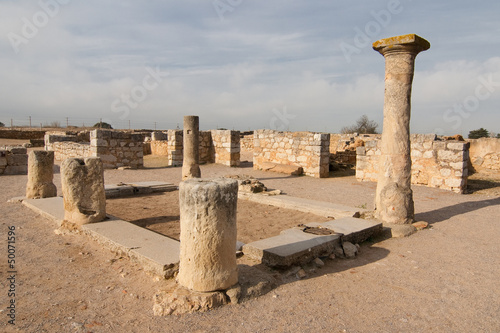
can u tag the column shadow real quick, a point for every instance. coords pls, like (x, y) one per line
(445, 213)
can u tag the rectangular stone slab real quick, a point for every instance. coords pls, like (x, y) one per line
(354, 230)
(116, 191)
(321, 208)
(291, 247)
(156, 253)
(128, 189)
(51, 208)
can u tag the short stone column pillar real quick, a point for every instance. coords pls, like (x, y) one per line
(82, 181)
(40, 175)
(208, 234)
(394, 197)
(191, 160)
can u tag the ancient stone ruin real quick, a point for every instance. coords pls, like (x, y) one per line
(13, 161)
(394, 197)
(208, 234)
(82, 181)
(40, 175)
(191, 154)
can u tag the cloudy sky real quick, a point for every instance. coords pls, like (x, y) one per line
(294, 64)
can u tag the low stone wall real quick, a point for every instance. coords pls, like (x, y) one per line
(305, 149)
(206, 152)
(175, 144)
(226, 145)
(159, 147)
(246, 142)
(342, 142)
(439, 164)
(146, 148)
(117, 149)
(19, 134)
(484, 154)
(13, 161)
(66, 149)
(216, 146)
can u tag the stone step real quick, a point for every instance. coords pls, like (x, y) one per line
(321, 208)
(50, 208)
(128, 189)
(296, 247)
(353, 230)
(155, 252)
(291, 247)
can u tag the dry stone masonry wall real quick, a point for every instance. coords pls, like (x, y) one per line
(309, 150)
(246, 142)
(13, 161)
(226, 145)
(485, 154)
(116, 149)
(435, 163)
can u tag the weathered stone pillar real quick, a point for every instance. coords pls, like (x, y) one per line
(40, 175)
(394, 197)
(82, 181)
(208, 234)
(191, 161)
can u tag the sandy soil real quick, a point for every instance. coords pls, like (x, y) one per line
(443, 279)
(160, 213)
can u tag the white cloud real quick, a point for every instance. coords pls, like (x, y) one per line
(233, 73)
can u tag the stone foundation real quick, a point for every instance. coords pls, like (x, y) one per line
(305, 149)
(439, 164)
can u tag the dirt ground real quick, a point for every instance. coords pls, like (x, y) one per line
(442, 279)
(160, 213)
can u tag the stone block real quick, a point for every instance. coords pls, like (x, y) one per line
(15, 170)
(460, 146)
(291, 247)
(40, 175)
(455, 182)
(15, 159)
(18, 150)
(82, 183)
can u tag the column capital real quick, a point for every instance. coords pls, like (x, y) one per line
(410, 43)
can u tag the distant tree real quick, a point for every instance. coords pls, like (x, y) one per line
(479, 133)
(2, 124)
(498, 136)
(102, 124)
(363, 126)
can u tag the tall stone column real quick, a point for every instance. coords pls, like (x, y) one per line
(394, 197)
(191, 160)
(208, 234)
(82, 181)
(40, 175)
